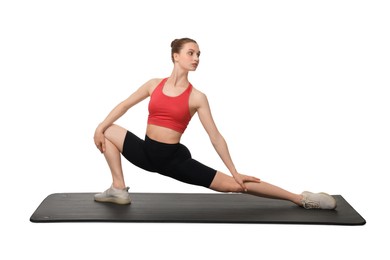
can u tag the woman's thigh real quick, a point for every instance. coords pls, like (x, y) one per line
(116, 135)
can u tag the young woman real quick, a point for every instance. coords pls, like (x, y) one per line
(173, 102)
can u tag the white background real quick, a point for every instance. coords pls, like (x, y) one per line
(299, 89)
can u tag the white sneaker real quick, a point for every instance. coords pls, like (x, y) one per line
(318, 200)
(114, 195)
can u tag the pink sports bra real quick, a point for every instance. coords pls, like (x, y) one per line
(167, 111)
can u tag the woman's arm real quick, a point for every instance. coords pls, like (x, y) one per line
(217, 140)
(140, 94)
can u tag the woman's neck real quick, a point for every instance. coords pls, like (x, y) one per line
(179, 77)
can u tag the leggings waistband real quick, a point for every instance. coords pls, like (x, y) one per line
(148, 139)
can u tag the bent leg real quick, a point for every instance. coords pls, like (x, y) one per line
(115, 135)
(225, 183)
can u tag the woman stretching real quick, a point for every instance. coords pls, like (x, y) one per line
(173, 102)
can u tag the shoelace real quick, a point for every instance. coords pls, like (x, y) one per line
(309, 204)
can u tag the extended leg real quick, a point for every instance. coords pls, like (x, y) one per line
(308, 200)
(226, 183)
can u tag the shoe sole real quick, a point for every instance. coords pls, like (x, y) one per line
(114, 200)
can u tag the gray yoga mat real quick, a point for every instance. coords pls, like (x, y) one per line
(190, 208)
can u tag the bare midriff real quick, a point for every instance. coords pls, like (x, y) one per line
(162, 134)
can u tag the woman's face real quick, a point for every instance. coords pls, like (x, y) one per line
(188, 58)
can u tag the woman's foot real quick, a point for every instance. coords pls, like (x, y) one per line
(317, 200)
(118, 196)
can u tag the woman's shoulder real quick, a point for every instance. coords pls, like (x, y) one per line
(154, 81)
(198, 97)
(198, 93)
(151, 84)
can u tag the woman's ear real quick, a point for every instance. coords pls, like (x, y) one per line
(176, 57)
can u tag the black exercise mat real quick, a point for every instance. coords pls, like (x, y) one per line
(190, 208)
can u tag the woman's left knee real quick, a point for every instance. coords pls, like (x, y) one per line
(225, 183)
(116, 135)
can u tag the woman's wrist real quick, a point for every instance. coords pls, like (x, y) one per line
(234, 172)
(100, 128)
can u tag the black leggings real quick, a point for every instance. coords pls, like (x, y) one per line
(172, 160)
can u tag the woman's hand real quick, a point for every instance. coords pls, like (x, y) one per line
(99, 140)
(241, 179)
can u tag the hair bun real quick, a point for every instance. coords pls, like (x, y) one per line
(174, 42)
